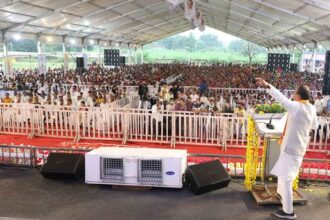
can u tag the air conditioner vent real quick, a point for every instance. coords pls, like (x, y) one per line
(150, 171)
(112, 169)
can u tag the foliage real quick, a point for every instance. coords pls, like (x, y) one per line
(213, 49)
(164, 55)
(188, 43)
(24, 46)
(273, 108)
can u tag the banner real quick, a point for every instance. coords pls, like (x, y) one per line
(66, 62)
(85, 60)
(42, 63)
(8, 66)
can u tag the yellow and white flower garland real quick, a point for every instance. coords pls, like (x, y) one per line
(252, 157)
(262, 165)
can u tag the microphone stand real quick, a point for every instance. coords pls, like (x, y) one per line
(269, 125)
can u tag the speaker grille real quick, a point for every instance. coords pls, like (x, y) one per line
(326, 80)
(112, 169)
(150, 171)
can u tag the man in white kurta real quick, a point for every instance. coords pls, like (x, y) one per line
(301, 119)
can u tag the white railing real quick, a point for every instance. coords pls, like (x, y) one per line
(136, 125)
(129, 89)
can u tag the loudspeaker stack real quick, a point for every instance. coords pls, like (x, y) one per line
(80, 62)
(276, 60)
(326, 76)
(111, 57)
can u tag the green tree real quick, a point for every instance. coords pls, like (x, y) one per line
(54, 48)
(210, 42)
(24, 46)
(236, 45)
(250, 50)
(190, 43)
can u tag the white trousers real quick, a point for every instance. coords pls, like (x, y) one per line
(284, 188)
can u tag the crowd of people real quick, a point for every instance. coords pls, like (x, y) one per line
(160, 86)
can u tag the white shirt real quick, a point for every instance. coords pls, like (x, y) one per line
(194, 97)
(319, 105)
(155, 112)
(301, 119)
(152, 91)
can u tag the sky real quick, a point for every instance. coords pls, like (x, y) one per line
(223, 37)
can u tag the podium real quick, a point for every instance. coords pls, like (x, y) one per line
(265, 193)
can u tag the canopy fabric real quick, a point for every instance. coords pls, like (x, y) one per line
(270, 23)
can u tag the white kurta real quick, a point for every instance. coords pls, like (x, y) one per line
(301, 119)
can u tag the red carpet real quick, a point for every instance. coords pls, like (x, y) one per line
(90, 144)
(319, 170)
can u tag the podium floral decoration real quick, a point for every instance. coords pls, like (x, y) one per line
(252, 155)
(252, 158)
(273, 108)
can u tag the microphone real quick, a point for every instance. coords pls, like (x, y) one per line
(269, 125)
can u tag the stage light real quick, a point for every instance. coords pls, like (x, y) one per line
(17, 37)
(91, 41)
(72, 41)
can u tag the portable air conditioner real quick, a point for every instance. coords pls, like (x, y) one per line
(136, 166)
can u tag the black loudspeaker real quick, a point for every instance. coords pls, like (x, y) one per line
(326, 76)
(122, 60)
(64, 165)
(80, 62)
(111, 57)
(206, 177)
(276, 60)
(293, 67)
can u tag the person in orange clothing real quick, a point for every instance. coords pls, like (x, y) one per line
(7, 99)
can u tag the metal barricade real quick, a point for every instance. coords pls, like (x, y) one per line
(17, 156)
(23, 156)
(129, 124)
(320, 139)
(15, 119)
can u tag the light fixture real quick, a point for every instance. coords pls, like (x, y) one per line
(105, 44)
(91, 41)
(88, 29)
(49, 39)
(304, 46)
(320, 46)
(117, 44)
(72, 41)
(87, 22)
(68, 26)
(17, 37)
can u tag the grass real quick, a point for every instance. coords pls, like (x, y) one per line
(150, 55)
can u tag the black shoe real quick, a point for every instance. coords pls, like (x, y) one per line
(281, 214)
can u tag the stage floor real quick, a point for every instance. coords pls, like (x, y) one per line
(91, 144)
(26, 194)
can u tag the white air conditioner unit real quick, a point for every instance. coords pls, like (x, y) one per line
(136, 166)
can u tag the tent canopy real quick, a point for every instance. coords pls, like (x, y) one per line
(270, 23)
